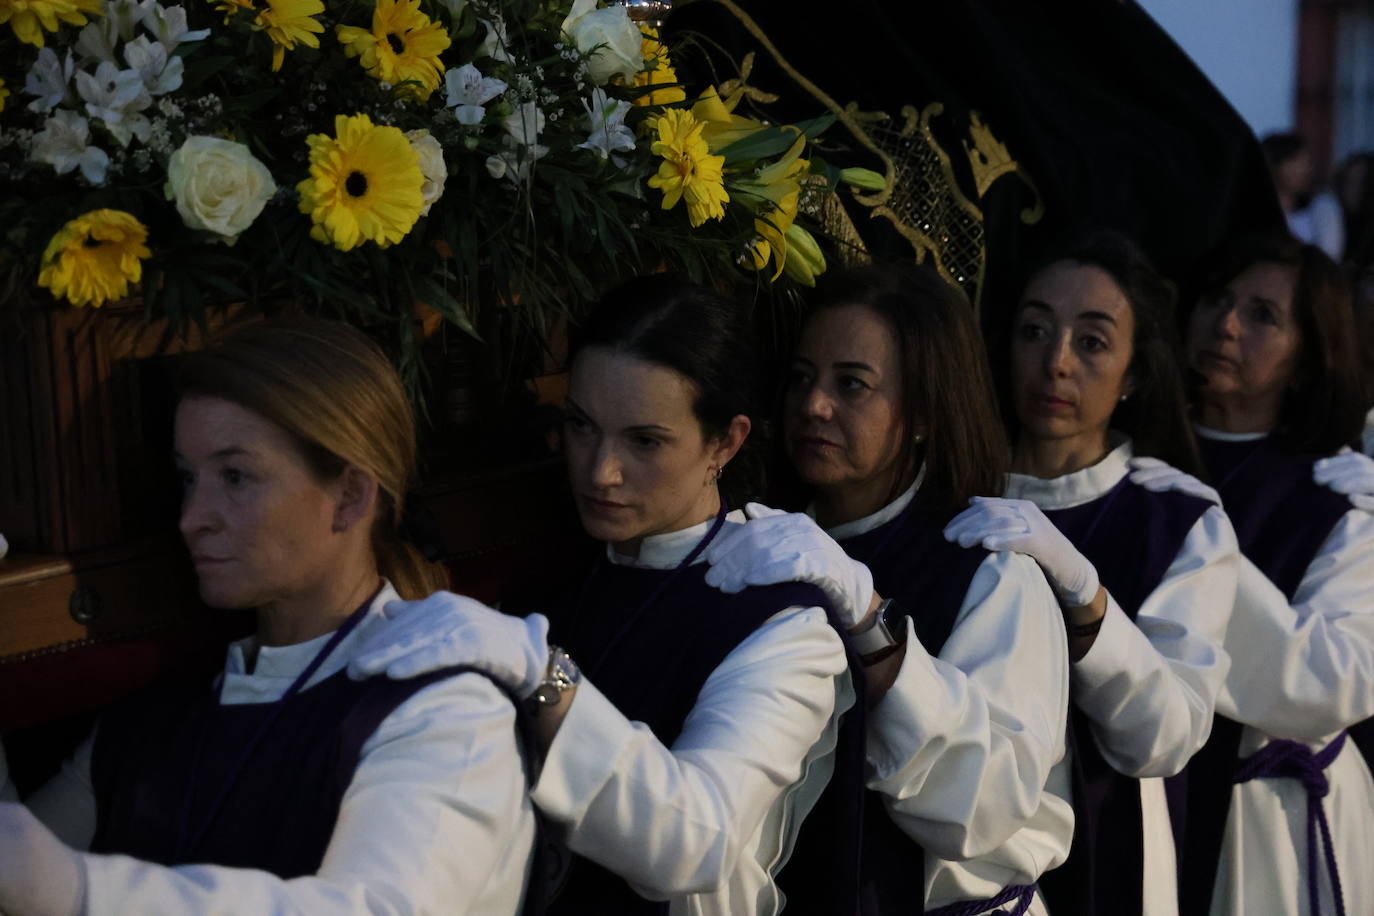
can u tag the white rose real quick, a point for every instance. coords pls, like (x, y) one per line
(587, 27)
(432, 166)
(218, 185)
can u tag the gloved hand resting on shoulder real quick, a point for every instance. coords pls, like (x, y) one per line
(775, 546)
(445, 630)
(1019, 525)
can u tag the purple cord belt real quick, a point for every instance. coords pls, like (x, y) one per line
(1020, 895)
(1284, 759)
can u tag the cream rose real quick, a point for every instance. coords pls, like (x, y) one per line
(432, 166)
(619, 39)
(218, 185)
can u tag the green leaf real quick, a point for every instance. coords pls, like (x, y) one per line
(773, 141)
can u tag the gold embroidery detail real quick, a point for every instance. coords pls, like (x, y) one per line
(990, 161)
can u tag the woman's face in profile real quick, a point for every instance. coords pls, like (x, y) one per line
(842, 415)
(1244, 341)
(638, 459)
(1071, 352)
(256, 521)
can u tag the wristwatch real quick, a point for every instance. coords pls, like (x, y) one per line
(887, 631)
(560, 676)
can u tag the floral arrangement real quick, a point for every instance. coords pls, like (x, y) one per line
(381, 160)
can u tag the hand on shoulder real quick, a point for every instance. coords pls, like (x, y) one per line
(1351, 473)
(1159, 476)
(775, 546)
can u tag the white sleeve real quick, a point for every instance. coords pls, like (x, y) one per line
(962, 745)
(674, 821)
(1307, 670)
(1150, 689)
(66, 803)
(436, 820)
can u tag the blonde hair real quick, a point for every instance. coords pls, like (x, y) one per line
(334, 392)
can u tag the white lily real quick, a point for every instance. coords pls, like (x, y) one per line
(64, 143)
(116, 98)
(50, 80)
(161, 73)
(606, 123)
(469, 91)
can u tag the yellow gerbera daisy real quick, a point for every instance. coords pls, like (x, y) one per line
(688, 168)
(29, 18)
(289, 23)
(95, 257)
(404, 44)
(364, 184)
(658, 71)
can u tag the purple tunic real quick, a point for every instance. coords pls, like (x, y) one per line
(1131, 536)
(651, 654)
(280, 811)
(1282, 518)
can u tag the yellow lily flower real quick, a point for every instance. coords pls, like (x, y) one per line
(805, 260)
(720, 125)
(773, 194)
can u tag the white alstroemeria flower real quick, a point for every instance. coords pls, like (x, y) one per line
(455, 7)
(432, 166)
(522, 149)
(496, 167)
(64, 144)
(124, 15)
(97, 40)
(606, 122)
(468, 91)
(168, 24)
(116, 98)
(160, 72)
(525, 124)
(495, 44)
(609, 36)
(50, 80)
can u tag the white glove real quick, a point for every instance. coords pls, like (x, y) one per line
(1019, 525)
(39, 874)
(444, 630)
(1158, 476)
(775, 546)
(1351, 473)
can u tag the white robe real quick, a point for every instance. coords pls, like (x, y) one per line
(1150, 689)
(437, 818)
(707, 823)
(968, 748)
(1302, 672)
